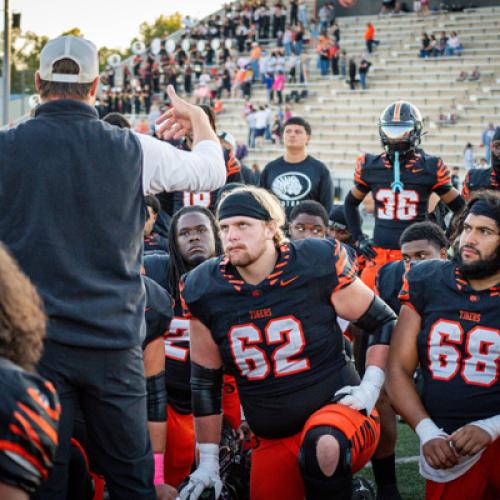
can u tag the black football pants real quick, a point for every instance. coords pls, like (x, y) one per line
(110, 388)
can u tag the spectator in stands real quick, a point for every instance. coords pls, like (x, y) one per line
(486, 138)
(324, 18)
(433, 46)
(369, 37)
(483, 163)
(297, 176)
(294, 12)
(254, 60)
(260, 125)
(352, 73)
(343, 64)
(364, 66)
(417, 7)
(334, 53)
(303, 16)
(256, 173)
(468, 157)
(323, 50)
(453, 45)
(336, 32)
(287, 40)
(298, 38)
(387, 7)
(442, 43)
(279, 86)
(315, 32)
(251, 119)
(425, 43)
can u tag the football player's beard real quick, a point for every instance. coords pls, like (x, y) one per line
(481, 268)
(243, 259)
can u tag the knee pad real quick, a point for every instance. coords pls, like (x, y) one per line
(317, 485)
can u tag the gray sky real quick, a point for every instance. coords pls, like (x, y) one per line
(105, 22)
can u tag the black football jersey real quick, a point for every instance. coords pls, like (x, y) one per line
(209, 199)
(388, 283)
(159, 310)
(480, 178)
(280, 338)
(176, 340)
(394, 212)
(29, 416)
(154, 243)
(459, 343)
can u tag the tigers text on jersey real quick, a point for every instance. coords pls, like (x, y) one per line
(29, 415)
(458, 345)
(280, 338)
(395, 211)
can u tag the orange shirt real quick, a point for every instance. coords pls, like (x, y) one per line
(370, 33)
(255, 54)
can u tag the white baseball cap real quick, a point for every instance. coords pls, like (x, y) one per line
(229, 138)
(82, 52)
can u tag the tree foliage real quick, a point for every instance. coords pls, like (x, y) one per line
(163, 25)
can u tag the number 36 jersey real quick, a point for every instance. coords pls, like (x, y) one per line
(280, 338)
(459, 343)
(394, 212)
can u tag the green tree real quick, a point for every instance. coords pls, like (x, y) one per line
(163, 25)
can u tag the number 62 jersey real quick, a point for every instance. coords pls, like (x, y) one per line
(395, 211)
(280, 338)
(458, 345)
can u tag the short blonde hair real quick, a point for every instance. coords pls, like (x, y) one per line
(267, 201)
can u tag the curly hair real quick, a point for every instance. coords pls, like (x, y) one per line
(22, 319)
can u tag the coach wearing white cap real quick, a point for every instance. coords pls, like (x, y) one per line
(72, 213)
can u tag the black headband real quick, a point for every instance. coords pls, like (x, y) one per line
(242, 204)
(482, 207)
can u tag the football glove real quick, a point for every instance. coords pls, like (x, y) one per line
(206, 476)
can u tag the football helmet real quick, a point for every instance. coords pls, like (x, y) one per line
(400, 128)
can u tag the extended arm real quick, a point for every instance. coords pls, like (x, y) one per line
(353, 219)
(359, 304)
(166, 168)
(403, 360)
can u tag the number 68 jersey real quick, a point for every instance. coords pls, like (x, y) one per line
(395, 211)
(280, 338)
(459, 343)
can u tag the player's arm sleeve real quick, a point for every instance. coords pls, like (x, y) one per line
(326, 190)
(166, 168)
(233, 168)
(352, 217)
(360, 183)
(345, 267)
(442, 182)
(28, 447)
(190, 300)
(412, 292)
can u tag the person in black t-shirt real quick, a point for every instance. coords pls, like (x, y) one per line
(449, 323)
(297, 176)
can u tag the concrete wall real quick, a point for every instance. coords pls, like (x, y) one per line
(365, 7)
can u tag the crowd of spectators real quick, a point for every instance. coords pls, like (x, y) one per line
(441, 45)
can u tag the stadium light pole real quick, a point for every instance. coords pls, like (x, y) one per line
(6, 63)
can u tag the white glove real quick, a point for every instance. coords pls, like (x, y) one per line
(206, 475)
(365, 395)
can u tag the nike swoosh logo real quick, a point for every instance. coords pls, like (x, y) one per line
(287, 282)
(417, 170)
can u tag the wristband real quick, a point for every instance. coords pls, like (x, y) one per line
(427, 430)
(374, 376)
(159, 468)
(490, 425)
(209, 456)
